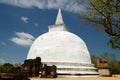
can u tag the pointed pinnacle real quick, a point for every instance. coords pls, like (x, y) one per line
(59, 19)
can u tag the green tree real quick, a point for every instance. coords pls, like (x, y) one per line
(17, 64)
(105, 14)
(6, 67)
(109, 56)
(93, 59)
(115, 67)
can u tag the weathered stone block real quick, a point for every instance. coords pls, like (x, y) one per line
(104, 72)
(103, 67)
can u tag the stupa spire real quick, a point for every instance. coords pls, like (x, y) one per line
(59, 24)
(59, 19)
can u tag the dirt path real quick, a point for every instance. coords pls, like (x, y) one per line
(115, 77)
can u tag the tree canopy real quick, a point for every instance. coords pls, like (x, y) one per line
(106, 15)
(5, 67)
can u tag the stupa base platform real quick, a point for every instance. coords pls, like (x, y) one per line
(77, 75)
(74, 69)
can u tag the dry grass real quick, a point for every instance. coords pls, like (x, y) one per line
(115, 77)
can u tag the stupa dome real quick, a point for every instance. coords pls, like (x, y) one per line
(62, 48)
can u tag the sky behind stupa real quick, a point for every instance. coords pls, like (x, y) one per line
(22, 21)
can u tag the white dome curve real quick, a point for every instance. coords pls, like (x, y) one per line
(60, 46)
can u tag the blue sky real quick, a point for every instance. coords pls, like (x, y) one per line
(22, 21)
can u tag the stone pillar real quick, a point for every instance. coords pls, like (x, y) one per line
(53, 71)
(38, 66)
(43, 71)
(32, 66)
(103, 67)
(49, 71)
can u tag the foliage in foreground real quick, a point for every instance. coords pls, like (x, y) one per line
(6, 67)
(105, 14)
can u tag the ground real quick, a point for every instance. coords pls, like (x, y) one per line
(114, 77)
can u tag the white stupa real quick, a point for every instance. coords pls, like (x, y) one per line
(64, 49)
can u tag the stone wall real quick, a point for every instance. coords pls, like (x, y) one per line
(48, 71)
(32, 67)
(35, 68)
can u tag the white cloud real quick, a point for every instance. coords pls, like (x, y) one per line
(24, 19)
(68, 5)
(2, 61)
(36, 24)
(3, 43)
(22, 38)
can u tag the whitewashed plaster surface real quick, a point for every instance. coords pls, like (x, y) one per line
(60, 46)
